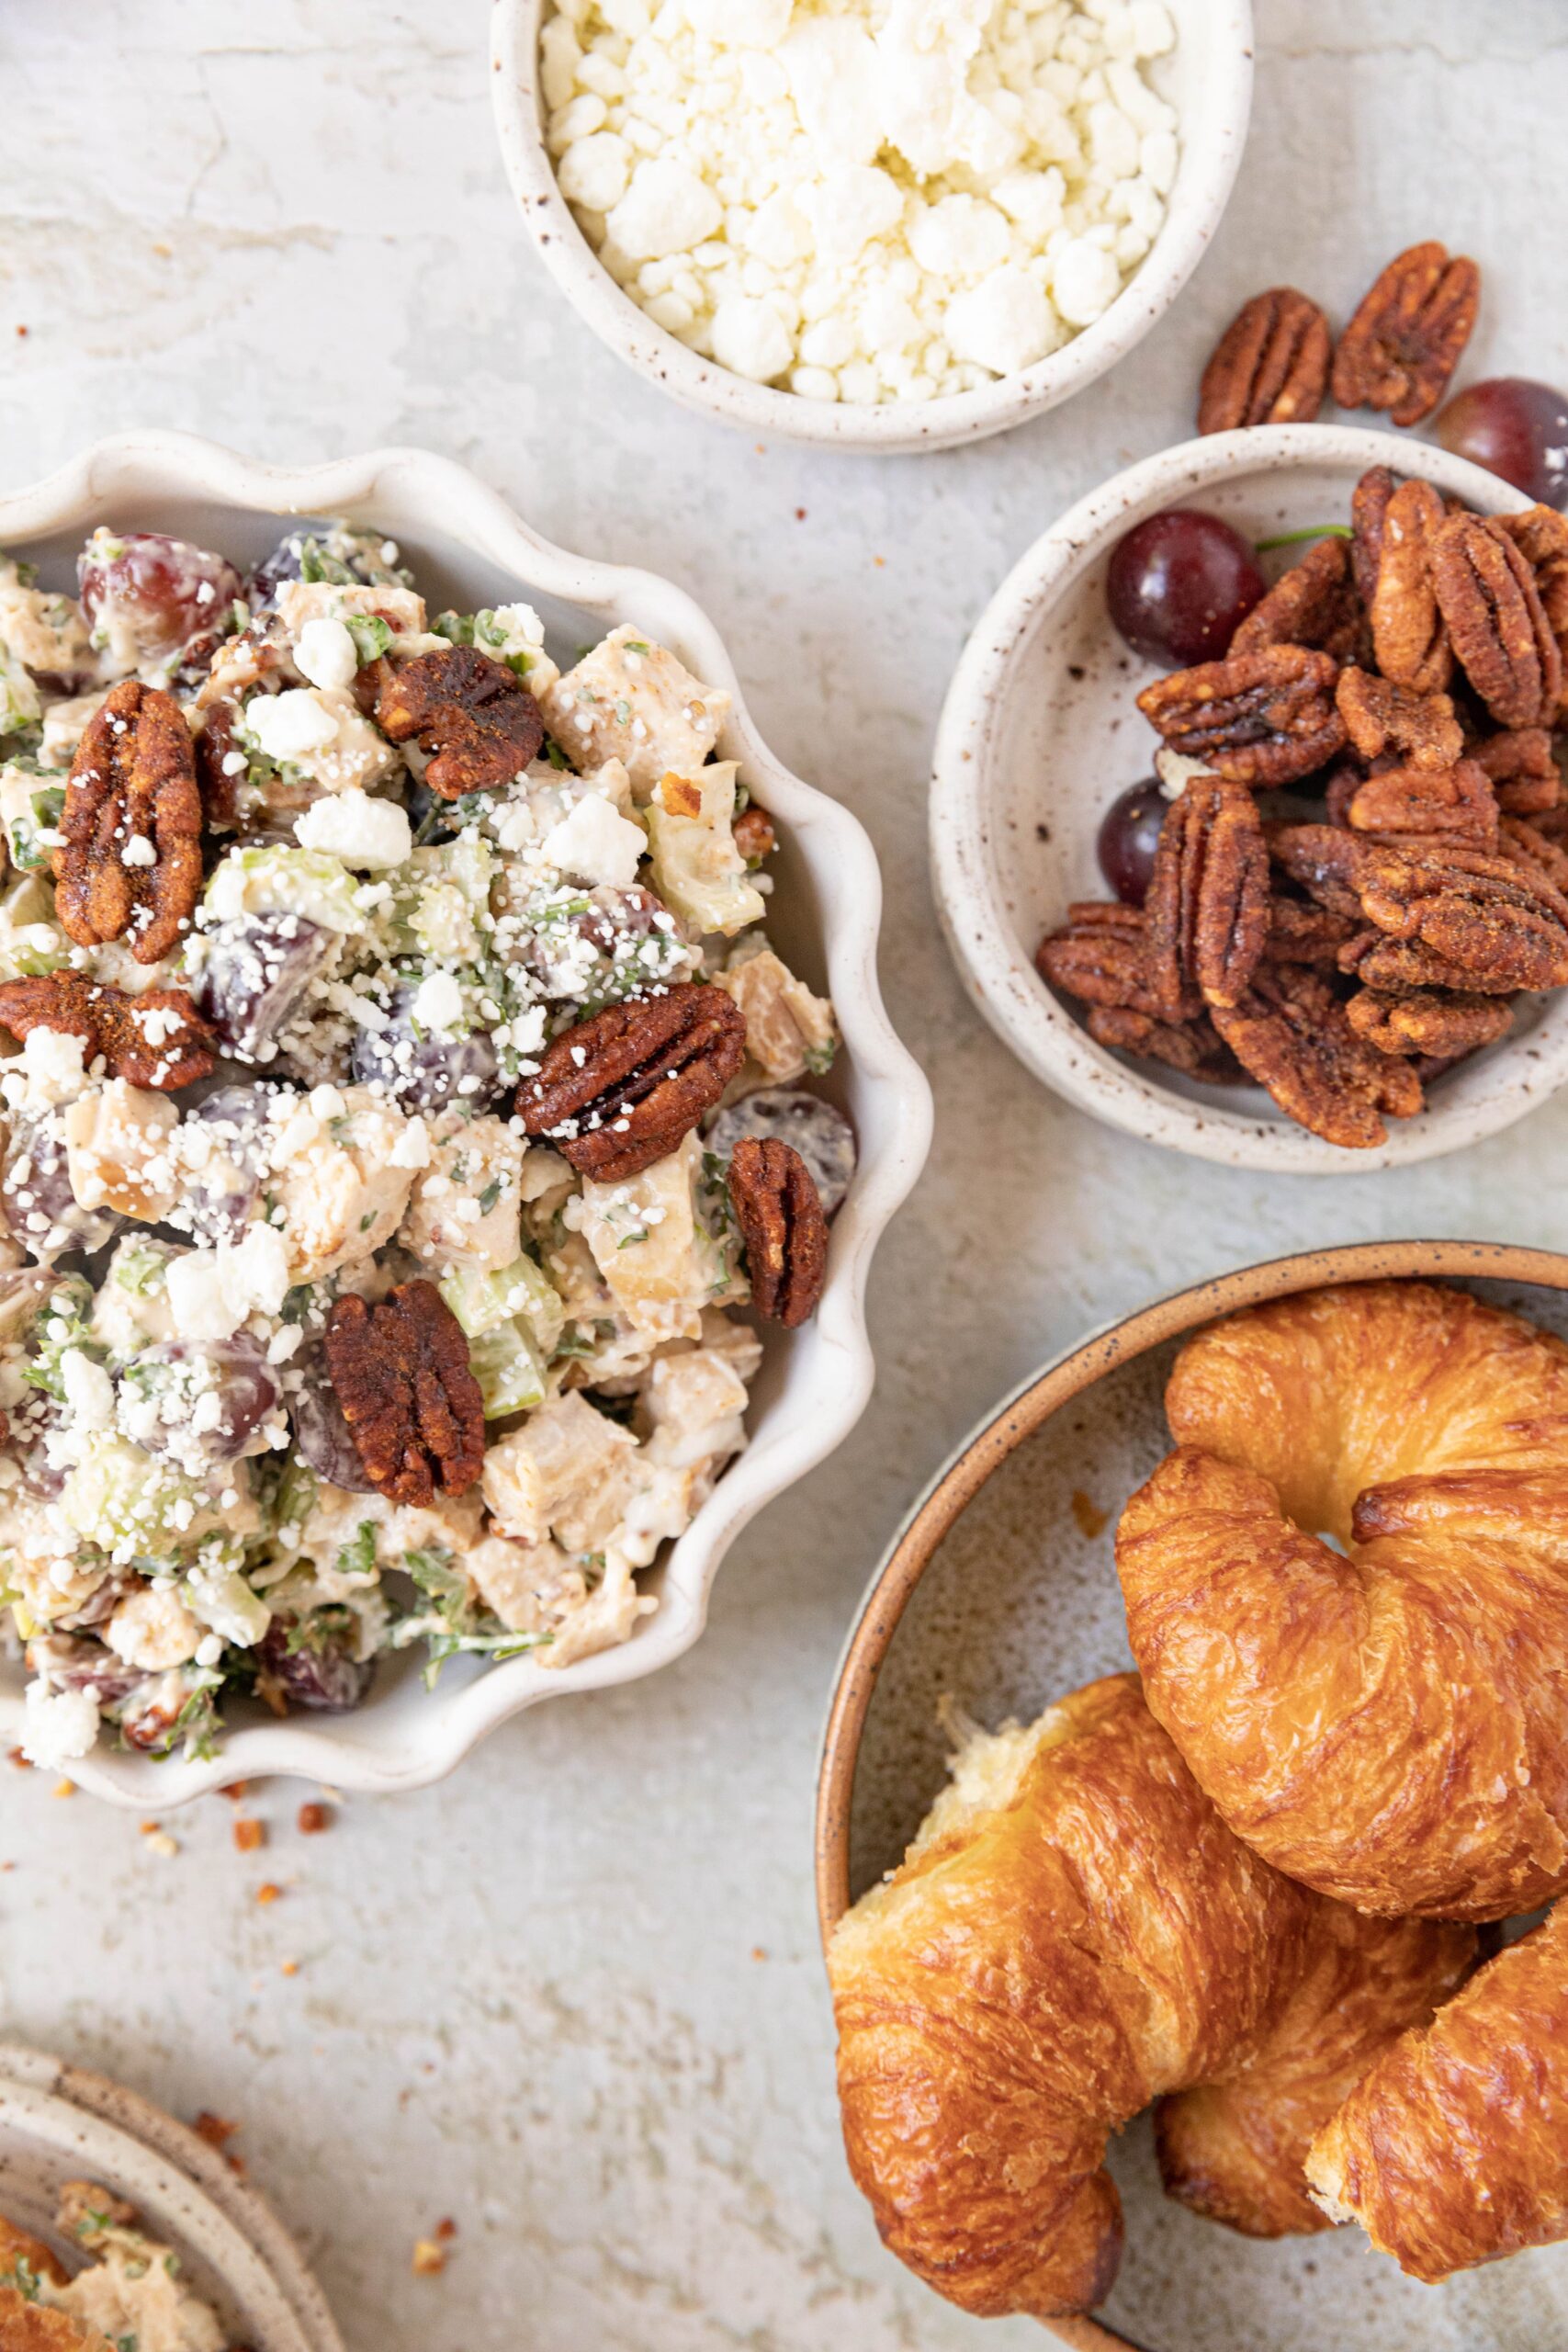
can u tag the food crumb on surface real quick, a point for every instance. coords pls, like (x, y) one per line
(64, 1789)
(429, 2259)
(234, 1791)
(157, 1840)
(268, 1892)
(288, 1968)
(1090, 1518)
(216, 2130)
(249, 1833)
(313, 1819)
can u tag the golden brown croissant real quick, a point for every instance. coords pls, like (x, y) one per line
(27, 2326)
(1392, 1727)
(1453, 2150)
(1073, 1933)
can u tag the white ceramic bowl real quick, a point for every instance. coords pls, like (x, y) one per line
(1207, 77)
(61, 2123)
(468, 548)
(1039, 734)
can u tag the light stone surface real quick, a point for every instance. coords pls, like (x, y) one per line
(573, 1999)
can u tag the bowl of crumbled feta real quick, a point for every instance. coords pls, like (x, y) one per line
(889, 224)
(434, 1205)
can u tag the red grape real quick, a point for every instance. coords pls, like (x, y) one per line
(1180, 585)
(1129, 834)
(145, 596)
(1515, 428)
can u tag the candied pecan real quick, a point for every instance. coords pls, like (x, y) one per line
(1410, 637)
(1382, 716)
(1370, 503)
(399, 1370)
(1324, 860)
(782, 1226)
(1102, 957)
(1291, 1033)
(753, 834)
(1271, 366)
(157, 1039)
(474, 717)
(1264, 717)
(1305, 935)
(1498, 923)
(1442, 1022)
(1316, 602)
(1500, 633)
(217, 782)
(1193, 1047)
(1207, 909)
(1405, 338)
(1524, 773)
(627, 1086)
(1457, 802)
(1340, 790)
(1540, 534)
(1526, 844)
(130, 856)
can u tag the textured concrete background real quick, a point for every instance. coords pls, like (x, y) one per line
(574, 1998)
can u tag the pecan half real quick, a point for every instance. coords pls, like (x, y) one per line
(1325, 862)
(1382, 716)
(399, 1370)
(1457, 803)
(474, 717)
(1271, 366)
(131, 859)
(157, 1039)
(626, 1087)
(1526, 844)
(1304, 934)
(1316, 602)
(1500, 632)
(1264, 717)
(1207, 909)
(1102, 957)
(1524, 773)
(1291, 1033)
(1193, 1047)
(782, 1226)
(1410, 636)
(753, 834)
(1540, 534)
(1496, 924)
(1370, 503)
(1410, 327)
(1444, 1023)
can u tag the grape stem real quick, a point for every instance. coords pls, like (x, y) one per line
(1295, 539)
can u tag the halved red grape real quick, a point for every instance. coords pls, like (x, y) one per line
(1516, 428)
(1129, 835)
(146, 596)
(1180, 585)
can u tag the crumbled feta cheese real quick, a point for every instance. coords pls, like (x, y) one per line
(89, 1391)
(438, 1002)
(289, 725)
(324, 653)
(594, 843)
(58, 1726)
(366, 833)
(211, 1292)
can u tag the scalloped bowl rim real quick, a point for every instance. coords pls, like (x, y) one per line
(893, 1113)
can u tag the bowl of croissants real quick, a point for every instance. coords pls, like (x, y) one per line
(1193, 1807)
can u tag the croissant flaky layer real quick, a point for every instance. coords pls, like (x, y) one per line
(1453, 2149)
(1383, 1715)
(1074, 1933)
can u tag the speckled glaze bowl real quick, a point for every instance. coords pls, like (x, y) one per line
(1208, 79)
(1039, 734)
(999, 1594)
(60, 2122)
(469, 548)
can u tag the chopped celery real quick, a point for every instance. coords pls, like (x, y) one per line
(273, 879)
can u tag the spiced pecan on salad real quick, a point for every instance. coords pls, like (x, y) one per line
(776, 1206)
(626, 1087)
(129, 856)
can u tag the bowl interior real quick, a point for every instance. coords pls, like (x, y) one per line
(1053, 735)
(1017, 1606)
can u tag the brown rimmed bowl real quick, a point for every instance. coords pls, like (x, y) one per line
(999, 1595)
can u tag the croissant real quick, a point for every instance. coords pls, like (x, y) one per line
(1387, 1721)
(1453, 2150)
(1073, 1933)
(26, 2324)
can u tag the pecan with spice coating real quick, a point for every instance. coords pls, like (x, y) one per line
(1370, 503)
(1305, 935)
(627, 1086)
(1193, 1047)
(1102, 957)
(130, 857)
(1316, 602)
(1524, 773)
(781, 1225)
(1443, 1022)
(1410, 636)
(1271, 366)
(157, 1039)
(1455, 803)
(1499, 925)
(1407, 333)
(1500, 633)
(399, 1370)
(474, 717)
(1322, 860)
(1526, 844)
(1383, 717)
(1264, 717)
(1207, 909)
(1540, 534)
(1290, 1032)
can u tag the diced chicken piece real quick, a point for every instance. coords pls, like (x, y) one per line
(695, 1403)
(116, 1152)
(631, 700)
(65, 724)
(130, 1306)
(659, 1265)
(48, 1583)
(299, 601)
(319, 734)
(136, 2294)
(465, 1206)
(338, 1183)
(42, 630)
(788, 1030)
(569, 1472)
(151, 1628)
(526, 1585)
(606, 1618)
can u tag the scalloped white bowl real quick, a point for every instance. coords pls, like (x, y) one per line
(468, 546)
(1038, 735)
(1207, 77)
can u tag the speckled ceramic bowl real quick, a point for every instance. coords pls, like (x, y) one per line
(1038, 736)
(1000, 1595)
(1207, 78)
(60, 2123)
